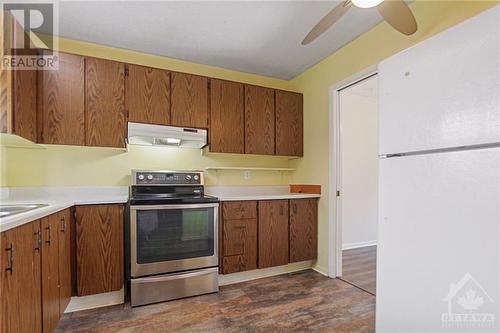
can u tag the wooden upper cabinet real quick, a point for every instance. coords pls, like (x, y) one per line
(259, 120)
(226, 117)
(99, 248)
(105, 103)
(147, 95)
(20, 292)
(189, 100)
(273, 233)
(62, 102)
(289, 124)
(25, 104)
(303, 229)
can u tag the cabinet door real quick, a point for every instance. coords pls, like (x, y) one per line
(50, 272)
(289, 123)
(99, 249)
(273, 233)
(303, 229)
(25, 104)
(259, 120)
(64, 231)
(62, 102)
(240, 245)
(147, 95)
(226, 117)
(20, 293)
(189, 100)
(105, 103)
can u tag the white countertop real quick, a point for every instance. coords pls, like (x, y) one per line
(239, 193)
(56, 199)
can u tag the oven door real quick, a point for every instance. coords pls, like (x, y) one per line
(172, 238)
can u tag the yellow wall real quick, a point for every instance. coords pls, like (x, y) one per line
(367, 50)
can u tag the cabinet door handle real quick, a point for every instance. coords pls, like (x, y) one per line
(48, 234)
(38, 240)
(10, 258)
(63, 225)
(295, 209)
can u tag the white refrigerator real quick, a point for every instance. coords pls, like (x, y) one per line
(438, 261)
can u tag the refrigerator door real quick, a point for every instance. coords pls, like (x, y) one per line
(439, 224)
(445, 91)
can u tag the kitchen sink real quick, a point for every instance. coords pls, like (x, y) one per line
(8, 210)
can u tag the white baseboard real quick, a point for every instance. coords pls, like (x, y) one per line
(320, 270)
(349, 246)
(96, 301)
(263, 272)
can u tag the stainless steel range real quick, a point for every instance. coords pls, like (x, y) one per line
(173, 237)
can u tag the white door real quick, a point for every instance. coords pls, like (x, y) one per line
(439, 220)
(445, 91)
(358, 120)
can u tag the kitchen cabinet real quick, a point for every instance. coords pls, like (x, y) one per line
(289, 123)
(259, 120)
(273, 233)
(226, 117)
(99, 248)
(61, 97)
(303, 229)
(64, 255)
(189, 100)
(105, 103)
(50, 272)
(24, 104)
(147, 95)
(239, 233)
(20, 274)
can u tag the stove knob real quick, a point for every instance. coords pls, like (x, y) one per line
(140, 177)
(188, 177)
(196, 177)
(150, 177)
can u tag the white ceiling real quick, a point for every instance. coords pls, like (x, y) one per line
(261, 37)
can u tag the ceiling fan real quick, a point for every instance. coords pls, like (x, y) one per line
(395, 12)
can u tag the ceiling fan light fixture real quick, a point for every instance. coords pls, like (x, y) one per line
(366, 3)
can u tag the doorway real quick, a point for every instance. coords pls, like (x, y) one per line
(357, 182)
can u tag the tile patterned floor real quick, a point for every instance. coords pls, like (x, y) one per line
(301, 302)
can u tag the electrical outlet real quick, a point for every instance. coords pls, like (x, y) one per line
(247, 174)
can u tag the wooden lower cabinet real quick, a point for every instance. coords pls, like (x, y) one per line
(303, 229)
(20, 303)
(65, 272)
(273, 233)
(99, 248)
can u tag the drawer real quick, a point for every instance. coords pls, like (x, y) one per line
(240, 236)
(240, 263)
(239, 210)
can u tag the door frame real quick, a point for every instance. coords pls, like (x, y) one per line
(334, 181)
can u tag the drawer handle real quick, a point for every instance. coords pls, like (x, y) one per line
(239, 244)
(48, 234)
(38, 240)
(10, 259)
(239, 227)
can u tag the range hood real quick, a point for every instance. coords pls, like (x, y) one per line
(169, 136)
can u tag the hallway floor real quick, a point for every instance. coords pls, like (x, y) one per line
(359, 267)
(305, 301)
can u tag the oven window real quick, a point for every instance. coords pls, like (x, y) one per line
(173, 234)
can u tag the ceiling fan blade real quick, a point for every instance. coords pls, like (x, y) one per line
(398, 15)
(326, 22)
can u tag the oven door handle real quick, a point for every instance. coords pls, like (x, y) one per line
(176, 276)
(176, 206)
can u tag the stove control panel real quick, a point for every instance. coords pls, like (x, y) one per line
(145, 177)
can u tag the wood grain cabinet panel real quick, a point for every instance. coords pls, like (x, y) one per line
(259, 120)
(240, 245)
(189, 100)
(303, 229)
(289, 123)
(50, 272)
(226, 117)
(62, 102)
(64, 255)
(99, 248)
(273, 233)
(20, 292)
(235, 210)
(105, 103)
(147, 95)
(25, 104)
